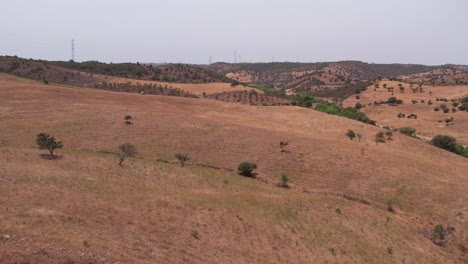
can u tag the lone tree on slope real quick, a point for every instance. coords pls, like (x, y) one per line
(45, 141)
(182, 158)
(125, 151)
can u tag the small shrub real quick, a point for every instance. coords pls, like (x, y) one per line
(446, 110)
(283, 145)
(390, 206)
(390, 250)
(85, 243)
(389, 135)
(128, 119)
(195, 234)
(284, 181)
(359, 136)
(436, 109)
(182, 158)
(440, 236)
(338, 211)
(379, 138)
(246, 169)
(351, 134)
(409, 131)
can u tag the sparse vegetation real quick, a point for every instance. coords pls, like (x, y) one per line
(195, 234)
(441, 235)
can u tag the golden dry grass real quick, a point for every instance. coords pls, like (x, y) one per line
(207, 88)
(150, 211)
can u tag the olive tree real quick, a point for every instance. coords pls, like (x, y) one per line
(45, 141)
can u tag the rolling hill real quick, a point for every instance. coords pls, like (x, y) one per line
(349, 201)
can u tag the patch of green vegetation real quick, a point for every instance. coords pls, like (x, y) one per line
(349, 112)
(304, 100)
(449, 143)
(270, 89)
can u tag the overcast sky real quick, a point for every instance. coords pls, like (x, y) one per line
(397, 31)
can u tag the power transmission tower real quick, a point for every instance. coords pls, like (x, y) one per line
(73, 49)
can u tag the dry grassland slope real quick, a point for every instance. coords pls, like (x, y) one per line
(83, 208)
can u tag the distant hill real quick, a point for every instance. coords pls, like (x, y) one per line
(318, 78)
(81, 73)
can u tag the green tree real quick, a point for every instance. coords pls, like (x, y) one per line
(445, 142)
(45, 141)
(246, 168)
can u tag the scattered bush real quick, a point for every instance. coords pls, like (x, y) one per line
(389, 135)
(394, 101)
(45, 141)
(379, 138)
(246, 169)
(351, 134)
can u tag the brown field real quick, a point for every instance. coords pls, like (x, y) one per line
(207, 88)
(427, 124)
(84, 208)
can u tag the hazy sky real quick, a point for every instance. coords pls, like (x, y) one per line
(396, 31)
